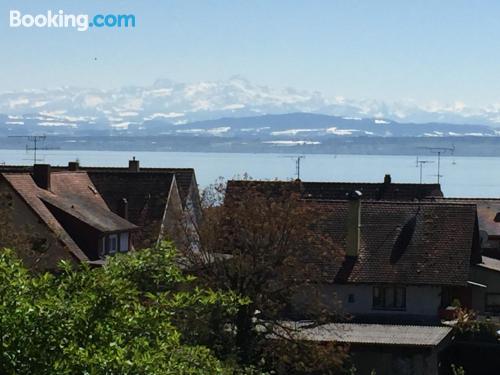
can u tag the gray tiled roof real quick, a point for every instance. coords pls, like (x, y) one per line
(338, 190)
(372, 334)
(401, 242)
(490, 263)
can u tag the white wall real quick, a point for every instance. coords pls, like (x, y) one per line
(420, 300)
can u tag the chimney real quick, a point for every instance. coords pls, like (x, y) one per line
(41, 175)
(353, 223)
(123, 208)
(133, 165)
(73, 166)
(387, 179)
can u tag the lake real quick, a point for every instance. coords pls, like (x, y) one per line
(461, 176)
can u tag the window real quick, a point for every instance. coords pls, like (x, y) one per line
(112, 244)
(389, 298)
(493, 302)
(124, 242)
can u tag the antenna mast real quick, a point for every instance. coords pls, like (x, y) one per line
(297, 165)
(439, 151)
(421, 164)
(35, 139)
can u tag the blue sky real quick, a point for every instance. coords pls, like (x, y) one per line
(443, 51)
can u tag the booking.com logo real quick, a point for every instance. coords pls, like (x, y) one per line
(80, 22)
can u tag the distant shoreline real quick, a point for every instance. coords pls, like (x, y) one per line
(464, 146)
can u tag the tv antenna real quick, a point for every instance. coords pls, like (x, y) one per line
(35, 140)
(439, 151)
(298, 159)
(421, 163)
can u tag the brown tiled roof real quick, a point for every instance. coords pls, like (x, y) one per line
(184, 177)
(73, 193)
(146, 193)
(339, 190)
(402, 242)
(24, 185)
(487, 211)
(96, 216)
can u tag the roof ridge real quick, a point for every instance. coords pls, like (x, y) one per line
(334, 182)
(394, 202)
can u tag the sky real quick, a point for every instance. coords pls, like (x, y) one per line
(445, 51)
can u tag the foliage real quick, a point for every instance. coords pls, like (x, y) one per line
(256, 242)
(469, 327)
(128, 317)
(457, 370)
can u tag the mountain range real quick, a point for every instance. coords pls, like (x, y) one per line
(231, 108)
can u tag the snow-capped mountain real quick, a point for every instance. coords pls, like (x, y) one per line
(167, 104)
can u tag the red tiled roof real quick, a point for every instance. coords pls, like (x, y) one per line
(185, 177)
(24, 185)
(73, 193)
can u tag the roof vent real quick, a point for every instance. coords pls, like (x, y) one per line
(387, 179)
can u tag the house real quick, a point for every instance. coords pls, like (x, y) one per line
(414, 255)
(164, 202)
(398, 261)
(60, 216)
(395, 267)
(486, 272)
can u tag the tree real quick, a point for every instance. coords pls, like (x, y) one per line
(127, 317)
(264, 242)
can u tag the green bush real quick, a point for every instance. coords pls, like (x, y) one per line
(136, 315)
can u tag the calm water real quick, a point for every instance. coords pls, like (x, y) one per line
(468, 177)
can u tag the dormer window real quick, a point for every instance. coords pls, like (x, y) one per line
(114, 243)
